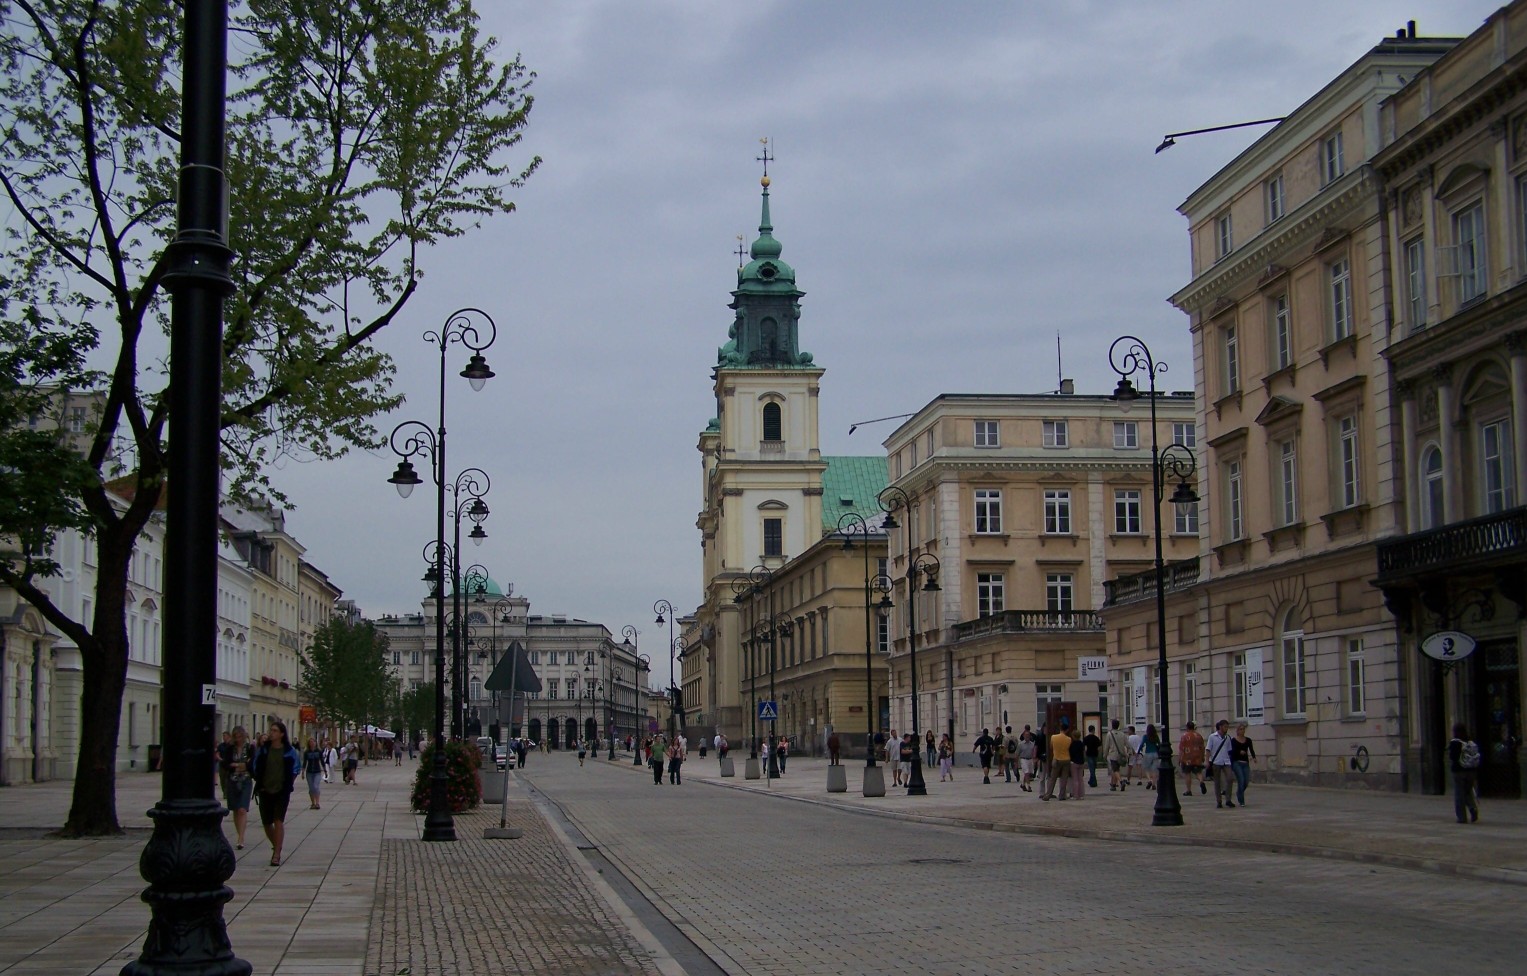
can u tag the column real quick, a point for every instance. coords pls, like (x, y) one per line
(1412, 485)
(1452, 477)
(1516, 348)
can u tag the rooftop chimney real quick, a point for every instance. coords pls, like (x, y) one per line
(1067, 387)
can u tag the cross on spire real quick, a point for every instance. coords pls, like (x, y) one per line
(766, 158)
(741, 251)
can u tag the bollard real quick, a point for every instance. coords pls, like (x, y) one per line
(751, 770)
(727, 768)
(874, 781)
(837, 779)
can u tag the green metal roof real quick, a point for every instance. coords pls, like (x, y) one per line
(851, 484)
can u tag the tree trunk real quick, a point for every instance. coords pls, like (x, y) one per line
(93, 810)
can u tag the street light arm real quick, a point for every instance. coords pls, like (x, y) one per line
(472, 327)
(1129, 355)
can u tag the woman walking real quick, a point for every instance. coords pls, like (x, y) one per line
(931, 748)
(275, 769)
(240, 785)
(945, 759)
(312, 768)
(1150, 751)
(1243, 752)
(675, 761)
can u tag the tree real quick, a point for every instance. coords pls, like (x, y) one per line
(359, 134)
(344, 673)
(416, 710)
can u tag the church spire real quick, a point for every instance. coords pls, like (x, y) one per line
(766, 246)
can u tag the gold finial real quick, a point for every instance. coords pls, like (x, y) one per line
(766, 158)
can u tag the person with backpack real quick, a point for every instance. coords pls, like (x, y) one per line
(1010, 749)
(1464, 759)
(984, 747)
(1116, 755)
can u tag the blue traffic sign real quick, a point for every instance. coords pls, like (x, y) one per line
(768, 711)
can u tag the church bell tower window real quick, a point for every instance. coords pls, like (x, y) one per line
(773, 429)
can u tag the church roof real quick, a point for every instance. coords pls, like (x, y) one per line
(852, 484)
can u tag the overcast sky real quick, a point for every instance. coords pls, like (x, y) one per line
(955, 183)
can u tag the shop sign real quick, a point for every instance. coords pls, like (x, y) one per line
(1448, 645)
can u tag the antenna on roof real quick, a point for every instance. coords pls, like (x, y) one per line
(1060, 373)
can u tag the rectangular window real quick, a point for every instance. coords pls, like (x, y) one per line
(988, 511)
(551, 687)
(413, 658)
(774, 537)
(883, 633)
(1332, 165)
(1235, 506)
(1185, 433)
(1055, 433)
(1288, 482)
(1242, 695)
(1232, 361)
(1190, 691)
(1351, 492)
(986, 434)
(1357, 693)
(1126, 435)
(1224, 242)
(397, 658)
(1186, 518)
(1293, 675)
(1273, 193)
(1059, 592)
(1495, 466)
(1058, 511)
(989, 593)
(1126, 511)
(1469, 236)
(1340, 274)
(1415, 283)
(1283, 336)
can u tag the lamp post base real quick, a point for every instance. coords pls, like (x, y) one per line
(915, 784)
(438, 825)
(1168, 806)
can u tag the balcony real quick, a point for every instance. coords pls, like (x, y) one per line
(1141, 586)
(1478, 544)
(1029, 622)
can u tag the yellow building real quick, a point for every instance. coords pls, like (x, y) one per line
(274, 559)
(1028, 502)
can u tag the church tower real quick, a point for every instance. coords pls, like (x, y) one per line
(762, 466)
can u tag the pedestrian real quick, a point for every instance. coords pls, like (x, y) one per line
(908, 752)
(1464, 758)
(275, 768)
(352, 760)
(522, 747)
(1026, 753)
(833, 745)
(675, 762)
(1219, 763)
(1078, 767)
(240, 785)
(1010, 748)
(1150, 751)
(397, 752)
(945, 758)
(1243, 752)
(893, 756)
(999, 752)
(784, 752)
(1136, 760)
(1190, 759)
(930, 747)
(655, 760)
(716, 742)
(1092, 746)
(1042, 757)
(582, 751)
(723, 746)
(224, 750)
(1116, 754)
(312, 768)
(984, 747)
(1060, 763)
(330, 760)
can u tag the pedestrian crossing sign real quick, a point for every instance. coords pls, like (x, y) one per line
(768, 711)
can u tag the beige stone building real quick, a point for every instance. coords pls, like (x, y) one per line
(1276, 622)
(1029, 502)
(1454, 171)
(274, 559)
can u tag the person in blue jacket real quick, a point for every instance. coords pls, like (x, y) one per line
(276, 766)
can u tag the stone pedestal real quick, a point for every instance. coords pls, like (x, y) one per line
(752, 770)
(728, 769)
(874, 781)
(837, 779)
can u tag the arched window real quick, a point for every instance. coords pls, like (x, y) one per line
(572, 733)
(476, 689)
(476, 617)
(1431, 489)
(773, 429)
(1295, 689)
(535, 730)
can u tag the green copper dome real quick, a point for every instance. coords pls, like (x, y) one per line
(766, 301)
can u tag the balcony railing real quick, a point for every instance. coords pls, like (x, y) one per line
(1481, 542)
(1028, 622)
(1141, 586)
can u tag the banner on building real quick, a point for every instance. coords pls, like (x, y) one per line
(1139, 707)
(1255, 715)
(1092, 669)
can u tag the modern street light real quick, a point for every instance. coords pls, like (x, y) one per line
(663, 608)
(1129, 355)
(462, 326)
(187, 860)
(926, 564)
(851, 523)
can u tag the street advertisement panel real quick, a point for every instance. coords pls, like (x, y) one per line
(1092, 669)
(1139, 707)
(1255, 714)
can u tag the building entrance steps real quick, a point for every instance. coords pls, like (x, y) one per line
(1396, 829)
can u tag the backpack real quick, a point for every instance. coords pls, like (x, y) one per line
(1012, 746)
(1468, 757)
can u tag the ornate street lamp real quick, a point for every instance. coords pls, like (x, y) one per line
(850, 523)
(1129, 355)
(663, 608)
(476, 330)
(742, 587)
(923, 564)
(631, 638)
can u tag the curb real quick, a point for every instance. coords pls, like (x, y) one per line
(1402, 861)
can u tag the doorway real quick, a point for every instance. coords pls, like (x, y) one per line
(1496, 718)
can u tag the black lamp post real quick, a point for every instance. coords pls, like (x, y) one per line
(850, 523)
(461, 327)
(925, 564)
(742, 586)
(187, 860)
(611, 689)
(631, 638)
(665, 609)
(1128, 355)
(474, 582)
(501, 615)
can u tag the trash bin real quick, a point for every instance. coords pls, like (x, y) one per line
(156, 758)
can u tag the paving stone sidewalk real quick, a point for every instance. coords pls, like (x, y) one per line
(1400, 830)
(358, 894)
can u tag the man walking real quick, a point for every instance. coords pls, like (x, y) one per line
(1116, 754)
(984, 746)
(1060, 763)
(893, 756)
(1012, 756)
(1219, 764)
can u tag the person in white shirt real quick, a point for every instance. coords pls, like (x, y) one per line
(1136, 760)
(1217, 750)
